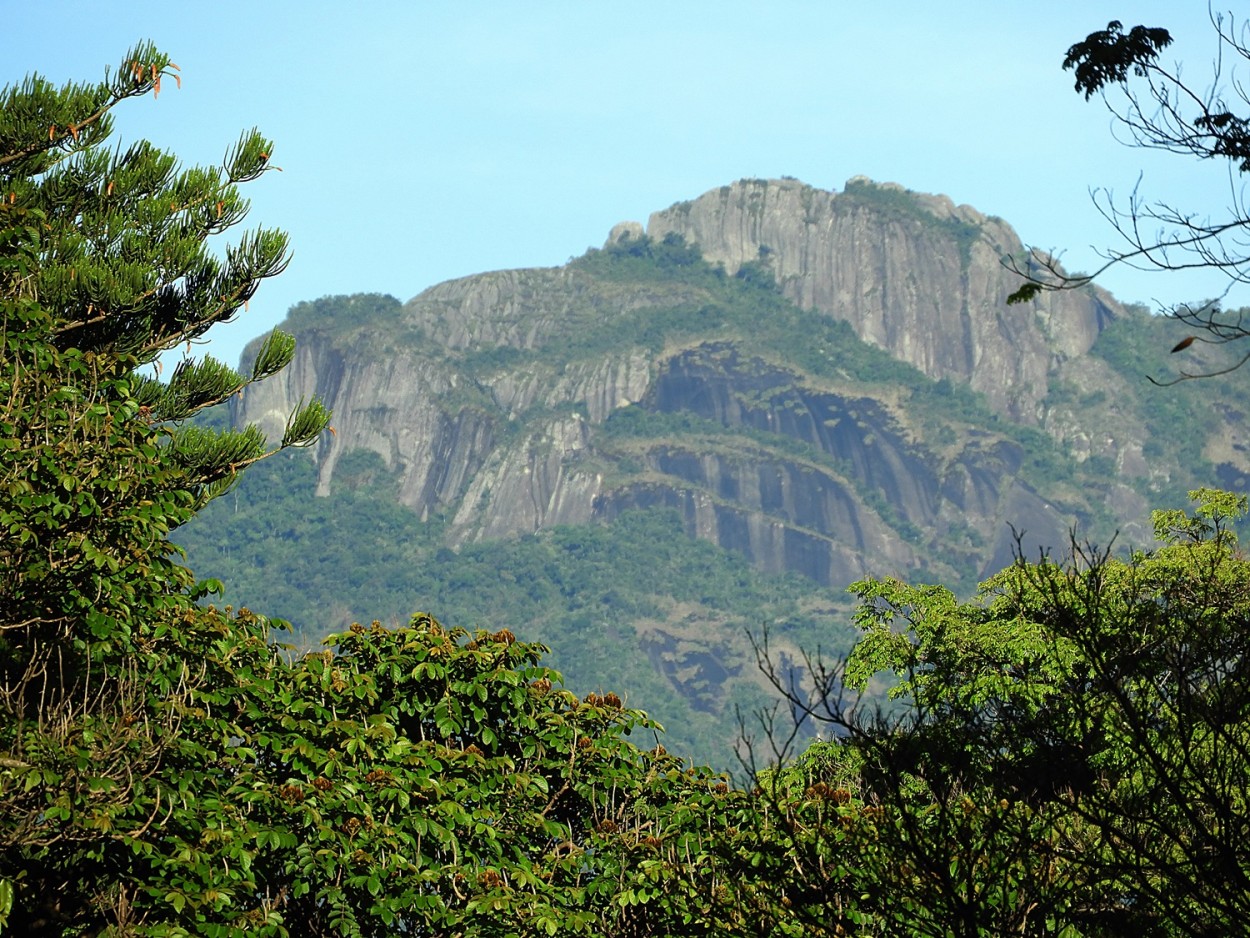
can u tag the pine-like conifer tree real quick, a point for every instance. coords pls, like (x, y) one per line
(105, 653)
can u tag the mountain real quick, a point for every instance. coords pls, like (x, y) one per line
(817, 383)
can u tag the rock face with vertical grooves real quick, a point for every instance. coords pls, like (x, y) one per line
(787, 368)
(913, 274)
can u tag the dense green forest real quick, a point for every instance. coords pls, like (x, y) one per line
(590, 593)
(1064, 751)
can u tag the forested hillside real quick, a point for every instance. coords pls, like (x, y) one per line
(636, 457)
(525, 447)
(637, 607)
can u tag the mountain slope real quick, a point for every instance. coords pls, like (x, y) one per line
(820, 383)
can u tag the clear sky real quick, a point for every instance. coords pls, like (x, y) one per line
(422, 141)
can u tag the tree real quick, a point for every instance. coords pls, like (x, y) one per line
(1159, 109)
(424, 781)
(165, 769)
(104, 265)
(1068, 754)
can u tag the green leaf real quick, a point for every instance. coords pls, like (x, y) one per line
(306, 423)
(1024, 293)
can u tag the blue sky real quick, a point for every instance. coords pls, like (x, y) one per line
(421, 141)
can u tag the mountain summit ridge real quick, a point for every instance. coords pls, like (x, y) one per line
(824, 382)
(935, 299)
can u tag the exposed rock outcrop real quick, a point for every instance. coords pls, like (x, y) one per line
(913, 274)
(498, 399)
(741, 362)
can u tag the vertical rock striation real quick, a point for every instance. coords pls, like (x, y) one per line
(913, 274)
(495, 398)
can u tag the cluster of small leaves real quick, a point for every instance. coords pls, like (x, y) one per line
(1106, 57)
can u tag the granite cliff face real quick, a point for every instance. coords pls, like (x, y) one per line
(745, 362)
(913, 274)
(826, 384)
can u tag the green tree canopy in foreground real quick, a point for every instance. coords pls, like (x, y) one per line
(1069, 753)
(164, 769)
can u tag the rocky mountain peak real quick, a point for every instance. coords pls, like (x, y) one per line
(915, 275)
(786, 373)
(793, 370)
